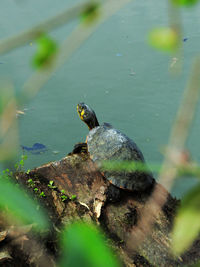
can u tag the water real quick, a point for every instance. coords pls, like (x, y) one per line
(124, 80)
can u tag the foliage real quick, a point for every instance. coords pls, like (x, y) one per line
(165, 39)
(16, 203)
(63, 196)
(6, 173)
(45, 51)
(31, 183)
(73, 197)
(19, 166)
(187, 222)
(51, 185)
(84, 245)
(42, 194)
(90, 13)
(129, 166)
(184, 2)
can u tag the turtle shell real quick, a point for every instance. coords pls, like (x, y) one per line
(106, 143)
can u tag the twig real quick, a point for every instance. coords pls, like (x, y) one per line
(8, 125)
(81, 33)
(46, 26)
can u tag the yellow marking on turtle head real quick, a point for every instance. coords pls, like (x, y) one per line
(82, 113)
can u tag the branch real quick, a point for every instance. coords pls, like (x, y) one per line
(46, 26)
(79, 35)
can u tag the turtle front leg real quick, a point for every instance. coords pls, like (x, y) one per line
(80, 148)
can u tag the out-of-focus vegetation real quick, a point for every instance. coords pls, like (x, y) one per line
(184, 2)
(19, 206)
(190, 169)
(165, 39)
(83, 245)
(187, 226)
(91, 13)
(45, 52)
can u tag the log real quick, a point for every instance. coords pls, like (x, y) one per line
(91, 198)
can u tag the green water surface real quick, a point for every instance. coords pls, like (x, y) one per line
(115, 71)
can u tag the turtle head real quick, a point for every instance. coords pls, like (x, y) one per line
(87, 115)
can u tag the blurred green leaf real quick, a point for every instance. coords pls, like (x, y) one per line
(46, 49)
(165, 39)
(129, 166)
(187, 222)
(83, 245)
(19, 205)
(90, 13)
(184, 2)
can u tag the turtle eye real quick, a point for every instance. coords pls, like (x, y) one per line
(85, 114)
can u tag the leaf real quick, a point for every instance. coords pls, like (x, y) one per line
(19, 205)
(73, 197)
(129, 166)
(46, 49)
(165, 39)
(184, 2)
(187, 222)
(83, 245)
(90, 13)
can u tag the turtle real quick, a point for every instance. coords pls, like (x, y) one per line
(104, 142)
